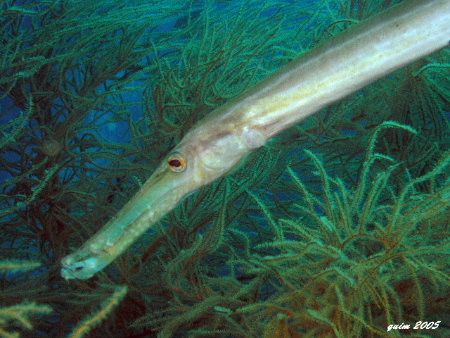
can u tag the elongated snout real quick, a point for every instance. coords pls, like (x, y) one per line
(160, 194)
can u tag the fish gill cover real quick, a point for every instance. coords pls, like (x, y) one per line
(335, 228)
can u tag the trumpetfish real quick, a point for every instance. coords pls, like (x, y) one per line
(342, 65)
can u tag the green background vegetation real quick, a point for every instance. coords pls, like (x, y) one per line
(336, 228)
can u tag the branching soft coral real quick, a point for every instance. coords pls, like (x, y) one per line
(344, 263)
(19, 315)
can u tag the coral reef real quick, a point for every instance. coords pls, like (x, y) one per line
(339, 240)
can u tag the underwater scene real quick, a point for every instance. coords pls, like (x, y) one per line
(335, 226)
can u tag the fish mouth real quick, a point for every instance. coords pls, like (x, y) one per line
(83, 269)
(84, 264)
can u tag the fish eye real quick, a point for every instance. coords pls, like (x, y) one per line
(177, 163)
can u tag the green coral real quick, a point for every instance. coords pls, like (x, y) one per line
(95, 319)
(19, 315)
(338, 240)
(351, 250)
(18, 265)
